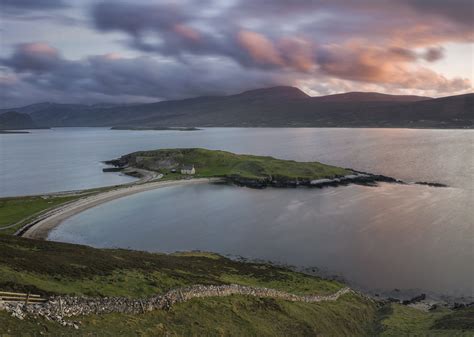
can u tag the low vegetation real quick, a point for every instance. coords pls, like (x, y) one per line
(49, 268)
(57, 268)
(14, 210)
(399, 320)
(213, 163)
(229, 316)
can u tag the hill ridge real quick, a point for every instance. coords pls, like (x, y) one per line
(281, 106)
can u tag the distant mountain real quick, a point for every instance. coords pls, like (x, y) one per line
(370, 97)
(12, 120)
(272, 107)
(276, 93)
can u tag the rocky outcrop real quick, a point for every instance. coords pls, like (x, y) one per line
(415, 299)
(430, 184)
(359, 178)
(61, 307)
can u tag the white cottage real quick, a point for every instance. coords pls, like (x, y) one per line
(188, 169)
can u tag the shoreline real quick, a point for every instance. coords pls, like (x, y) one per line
(40, 227)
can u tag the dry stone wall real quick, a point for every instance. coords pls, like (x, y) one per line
(60, 307)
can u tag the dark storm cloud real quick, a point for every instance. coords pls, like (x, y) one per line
(434, 54)
(111, 77)
(136, 18)
(190, 48)
(459, 11)
(22, 5)
(177, 28)
(35, 57)
(287, 35)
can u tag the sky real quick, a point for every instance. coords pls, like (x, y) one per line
(91, 51)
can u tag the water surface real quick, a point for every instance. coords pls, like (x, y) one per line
(392, 236)
(70, 158)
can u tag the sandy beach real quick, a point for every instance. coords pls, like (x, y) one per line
(41, 225)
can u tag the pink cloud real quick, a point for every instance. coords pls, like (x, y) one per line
(298, 53)
(186, 32)
(260, 49)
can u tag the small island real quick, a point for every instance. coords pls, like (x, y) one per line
(241, 169)
(154, 128)
(7, 132)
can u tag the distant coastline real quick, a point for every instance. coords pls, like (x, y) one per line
(154, 128)
(13, 132)
(281, 106)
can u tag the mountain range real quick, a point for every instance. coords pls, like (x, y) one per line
(281, 106)
(12, 120)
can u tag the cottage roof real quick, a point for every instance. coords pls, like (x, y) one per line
(188, 167)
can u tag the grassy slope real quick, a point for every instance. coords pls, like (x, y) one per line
(13, 210)
(58, 268)
(51, 267)
(398, 320)
(210, 163)
(229, 316)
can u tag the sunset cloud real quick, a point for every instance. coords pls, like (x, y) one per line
(388, 45)
(260, 49)
(36, 57)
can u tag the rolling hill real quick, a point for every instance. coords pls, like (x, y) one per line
(12, 120)
(269, 107)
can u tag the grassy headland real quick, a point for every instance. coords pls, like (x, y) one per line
(236, 167)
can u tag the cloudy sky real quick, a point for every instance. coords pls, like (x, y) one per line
(89, 51)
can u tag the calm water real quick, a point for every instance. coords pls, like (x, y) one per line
(70, 158)
(386, 237)
(407, 237)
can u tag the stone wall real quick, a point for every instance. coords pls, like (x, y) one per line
(59, 307)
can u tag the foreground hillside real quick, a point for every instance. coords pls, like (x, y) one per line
(269, 107)
(50, 268)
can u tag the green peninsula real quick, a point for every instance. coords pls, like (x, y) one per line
(236, 167)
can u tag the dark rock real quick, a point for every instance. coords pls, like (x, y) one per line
(431, 184)
(414, 299)
(393, 300)
(112, 169)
